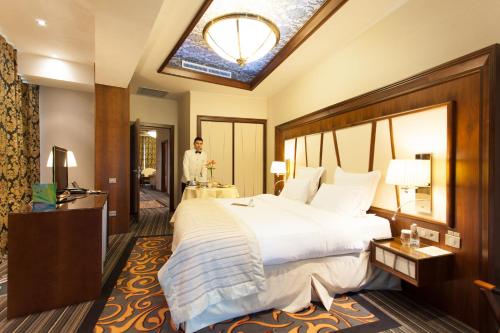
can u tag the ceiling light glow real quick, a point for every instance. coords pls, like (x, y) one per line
(241, 37)
(41, 22)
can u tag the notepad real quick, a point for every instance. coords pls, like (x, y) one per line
(433, 251)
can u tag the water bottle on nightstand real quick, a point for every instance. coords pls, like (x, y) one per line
(414, 238)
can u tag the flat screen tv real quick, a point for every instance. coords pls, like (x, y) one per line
(60, 168)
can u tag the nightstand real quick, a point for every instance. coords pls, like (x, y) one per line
(413, 266)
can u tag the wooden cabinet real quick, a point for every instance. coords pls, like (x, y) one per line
(409, 264)
(56, 257)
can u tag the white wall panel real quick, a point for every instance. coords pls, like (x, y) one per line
(313, 146)
(218, 143)
(385, 196)
(354, 147)
(329, 158)
(290, 154)
(300, 154)
(426, 132)
(248, 162)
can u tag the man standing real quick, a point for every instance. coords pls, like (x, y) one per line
(193, 166)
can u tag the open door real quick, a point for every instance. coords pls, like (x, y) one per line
(135, 169)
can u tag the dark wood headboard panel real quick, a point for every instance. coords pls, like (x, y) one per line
(471, 83)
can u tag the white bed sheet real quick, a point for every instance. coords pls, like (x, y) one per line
(291, 287)
(288, 230)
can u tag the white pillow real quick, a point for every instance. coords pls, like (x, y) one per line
(311, 174)
(296, 189)
(344, 200)
(368, 181)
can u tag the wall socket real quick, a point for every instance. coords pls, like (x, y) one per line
(429, 234)
(112, 213)
(452, 239)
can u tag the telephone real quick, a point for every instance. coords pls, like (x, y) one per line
(77, 189)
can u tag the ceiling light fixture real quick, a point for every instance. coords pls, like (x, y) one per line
(241, 37)
(41, 22)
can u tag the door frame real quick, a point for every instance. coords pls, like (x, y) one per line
(234, 120)
(171, 148)
(165, 146)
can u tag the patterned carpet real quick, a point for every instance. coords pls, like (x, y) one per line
(137, 304)
(411, 316)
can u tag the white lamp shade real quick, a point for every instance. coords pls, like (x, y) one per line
(409, 173)
(241, 38)
(71, 159)
(278, 167)
(50, 160)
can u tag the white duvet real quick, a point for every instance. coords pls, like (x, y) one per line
(288, 231)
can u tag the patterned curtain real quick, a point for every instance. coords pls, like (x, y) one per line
(148, 152)
(19, 138)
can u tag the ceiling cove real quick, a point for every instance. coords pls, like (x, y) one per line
(296, 20)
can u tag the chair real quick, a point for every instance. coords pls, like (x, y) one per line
(491, 292)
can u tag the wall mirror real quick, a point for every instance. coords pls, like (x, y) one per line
(422, 143)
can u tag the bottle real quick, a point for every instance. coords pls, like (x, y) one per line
(414, 238)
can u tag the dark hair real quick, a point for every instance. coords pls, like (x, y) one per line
(198, 138)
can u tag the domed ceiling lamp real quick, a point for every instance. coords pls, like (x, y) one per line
(241, 37)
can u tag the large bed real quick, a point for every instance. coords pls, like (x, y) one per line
(230, 260)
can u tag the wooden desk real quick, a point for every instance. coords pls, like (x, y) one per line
(410, 265)
(56, 258)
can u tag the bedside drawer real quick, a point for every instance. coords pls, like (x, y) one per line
(396, 262)
(410, 265)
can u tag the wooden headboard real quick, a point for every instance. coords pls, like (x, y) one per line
(469, 84)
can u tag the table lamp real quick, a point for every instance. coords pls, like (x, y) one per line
(278, 168)
(408, 175)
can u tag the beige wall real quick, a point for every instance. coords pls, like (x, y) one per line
(67, 120)
(160, 111)
(223, 105)
(417, 36)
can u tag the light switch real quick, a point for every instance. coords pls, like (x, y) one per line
(429, 234)
(112, 180)
(112, 213)
(452, 241)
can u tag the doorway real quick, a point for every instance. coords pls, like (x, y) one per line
(152, 149)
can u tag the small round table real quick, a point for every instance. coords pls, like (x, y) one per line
(193, 192)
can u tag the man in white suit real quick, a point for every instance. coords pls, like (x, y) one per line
(194, 163)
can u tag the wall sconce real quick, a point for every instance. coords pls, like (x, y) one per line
(278, 169)
(411, 175)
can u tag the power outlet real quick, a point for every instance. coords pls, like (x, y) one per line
(112, 213)
(451, 240)
(429, 234)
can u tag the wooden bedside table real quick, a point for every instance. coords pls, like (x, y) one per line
(409, 264)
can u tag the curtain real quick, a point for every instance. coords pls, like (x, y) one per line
(19, 138)
(147, 152)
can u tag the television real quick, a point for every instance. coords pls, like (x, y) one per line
(60, 168)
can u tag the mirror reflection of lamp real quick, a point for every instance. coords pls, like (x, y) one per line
(278, 168)
(70, 160)
(408, 174)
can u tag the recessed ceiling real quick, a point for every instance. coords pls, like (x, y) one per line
(296, 20)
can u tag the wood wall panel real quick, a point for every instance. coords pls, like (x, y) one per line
(112, 152)
(470, 83)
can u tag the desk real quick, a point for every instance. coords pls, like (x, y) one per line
(56, 257)
(192, 192)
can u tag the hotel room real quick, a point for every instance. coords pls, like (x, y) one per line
(249, 166)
